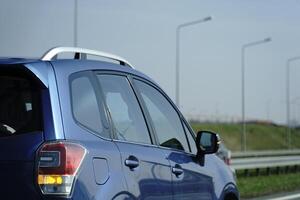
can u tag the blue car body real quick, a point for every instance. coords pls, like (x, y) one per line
(103, 173)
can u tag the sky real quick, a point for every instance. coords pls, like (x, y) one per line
(144, 32)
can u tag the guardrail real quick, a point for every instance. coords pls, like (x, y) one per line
(287, 159)
(265, 153)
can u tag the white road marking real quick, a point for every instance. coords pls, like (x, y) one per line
(293, 196)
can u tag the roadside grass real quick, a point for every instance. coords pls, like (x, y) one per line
(251, 187)
(259, 136)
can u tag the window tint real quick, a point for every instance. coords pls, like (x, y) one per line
(124, 109)
(85, 106)
(19, 104)
(165, 119)
(191, 139)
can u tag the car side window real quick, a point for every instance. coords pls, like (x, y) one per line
(166, 121)
(85, 106)
(191, 139)
(125, 111)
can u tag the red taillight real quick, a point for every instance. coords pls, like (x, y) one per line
(58, 164)
(228, 161)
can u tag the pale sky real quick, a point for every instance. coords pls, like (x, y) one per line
(143, 32)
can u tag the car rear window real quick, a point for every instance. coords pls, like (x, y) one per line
(20, 109)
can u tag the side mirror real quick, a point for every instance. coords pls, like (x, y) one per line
(207, 142)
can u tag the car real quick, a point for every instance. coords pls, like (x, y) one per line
(81, 128)
(224, 153)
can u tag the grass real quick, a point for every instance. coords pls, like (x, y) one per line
(259, 136)
(250, 187)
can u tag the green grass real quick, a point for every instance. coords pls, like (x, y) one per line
(263, 185)
(259, 136)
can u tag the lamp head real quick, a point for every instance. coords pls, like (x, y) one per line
(207, 18)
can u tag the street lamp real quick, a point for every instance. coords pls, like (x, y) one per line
(243, 136)
(179, 27)
(296, 103)
(75, 22)
(288, 98)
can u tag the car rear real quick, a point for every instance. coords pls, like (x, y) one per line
(21, 131)
(35, 161)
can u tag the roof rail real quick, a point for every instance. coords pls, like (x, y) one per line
(81, 53)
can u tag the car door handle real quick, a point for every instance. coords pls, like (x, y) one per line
(177, 170)
(132, 162)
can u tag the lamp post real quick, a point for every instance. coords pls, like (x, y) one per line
(179, 27)
(296, 103)
(75, 22)
(243, 135)
(288, 98)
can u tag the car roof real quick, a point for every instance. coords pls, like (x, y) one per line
(8, 61)
(70, 66)
(76, 64)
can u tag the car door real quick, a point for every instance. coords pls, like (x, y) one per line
(190, 180)
(146, 167)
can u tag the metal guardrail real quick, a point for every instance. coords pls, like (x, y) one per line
(265, 159)
(270, 153)
(265, 162)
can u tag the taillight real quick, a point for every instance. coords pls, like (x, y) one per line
(228, 161)
(58, 163)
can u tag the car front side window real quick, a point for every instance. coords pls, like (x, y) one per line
(190, 136)
(165, 119)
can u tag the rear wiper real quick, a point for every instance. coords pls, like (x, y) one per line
(6, 130)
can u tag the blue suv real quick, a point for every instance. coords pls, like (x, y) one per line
(86, 129)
